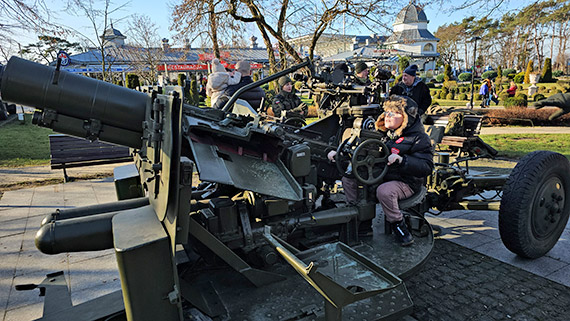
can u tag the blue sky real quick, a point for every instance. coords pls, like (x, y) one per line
(160, 15)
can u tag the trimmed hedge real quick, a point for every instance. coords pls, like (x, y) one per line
(464, 76)
(514, 102)
(462, 97)
(491, 74)
(537, 97)
(508, 71)
(520, 116)
(519, 78)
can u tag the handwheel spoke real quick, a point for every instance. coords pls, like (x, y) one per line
(370, 172)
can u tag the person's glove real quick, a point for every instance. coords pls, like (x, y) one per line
(302, 108)
(394, 158)
(561, 101)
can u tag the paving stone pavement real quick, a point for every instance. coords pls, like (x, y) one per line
(458, 283)
(470, 276)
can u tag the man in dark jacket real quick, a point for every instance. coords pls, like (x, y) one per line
(361, 72)
(253, 96)
(414, 88)
(409, 163)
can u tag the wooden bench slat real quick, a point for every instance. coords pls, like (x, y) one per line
(67, 151)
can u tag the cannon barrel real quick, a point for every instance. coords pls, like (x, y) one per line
(64, 214)
(77, 105)
(80, 234)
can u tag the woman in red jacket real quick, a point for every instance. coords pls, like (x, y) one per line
(512, 89)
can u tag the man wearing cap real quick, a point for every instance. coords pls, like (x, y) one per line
(361, 72)
(414, 88)
(252, 96)
(287, 100)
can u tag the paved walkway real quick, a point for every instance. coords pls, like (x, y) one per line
(93, 274)
(88, 274)
(14, 175)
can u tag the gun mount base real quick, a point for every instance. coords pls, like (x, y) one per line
(295, 299)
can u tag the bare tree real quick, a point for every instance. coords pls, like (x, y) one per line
(450, 37)
(145, 47)
(20, 16)
(205, 20)
(297, 14)
(99, 18)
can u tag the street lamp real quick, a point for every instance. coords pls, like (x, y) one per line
(474, 39)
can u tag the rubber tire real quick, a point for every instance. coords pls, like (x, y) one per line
(520, 193)
(3, 112)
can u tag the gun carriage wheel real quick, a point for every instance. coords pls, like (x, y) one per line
(535, 205)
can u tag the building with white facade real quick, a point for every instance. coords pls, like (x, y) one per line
(412, 37)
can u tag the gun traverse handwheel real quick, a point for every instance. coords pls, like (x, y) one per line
(342, 157)
(369, 162)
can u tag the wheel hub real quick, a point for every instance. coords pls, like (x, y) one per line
(548, 208)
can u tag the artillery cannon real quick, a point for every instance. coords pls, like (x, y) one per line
(267, 191)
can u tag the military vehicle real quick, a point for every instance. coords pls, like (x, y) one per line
(265, 210)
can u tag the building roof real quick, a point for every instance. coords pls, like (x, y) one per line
(112, 32)
(367, 52)
(411, 14)
(410, 36)
(127, 54)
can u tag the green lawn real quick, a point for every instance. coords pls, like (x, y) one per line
(517, 145)
(24, 145)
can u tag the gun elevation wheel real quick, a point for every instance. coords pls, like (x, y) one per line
(535, 204)
(369, 162)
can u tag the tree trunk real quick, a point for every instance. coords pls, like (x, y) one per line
(213, 28)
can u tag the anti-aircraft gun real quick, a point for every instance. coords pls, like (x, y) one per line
(267, 191)
(338, 87)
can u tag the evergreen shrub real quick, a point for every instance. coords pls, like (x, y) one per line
(464, 76)
(546, 75)
(508, 71)
(514, 102)
(491, 74)
(537, 97)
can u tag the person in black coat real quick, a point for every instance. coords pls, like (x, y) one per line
(253, 96)
(413, 87)
(361, 72)
(409, 163)
(286, 102)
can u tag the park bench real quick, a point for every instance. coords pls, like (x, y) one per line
(67, 152)
(465, 142)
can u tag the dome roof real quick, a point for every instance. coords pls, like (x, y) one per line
(411, 14)
(112, 32)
